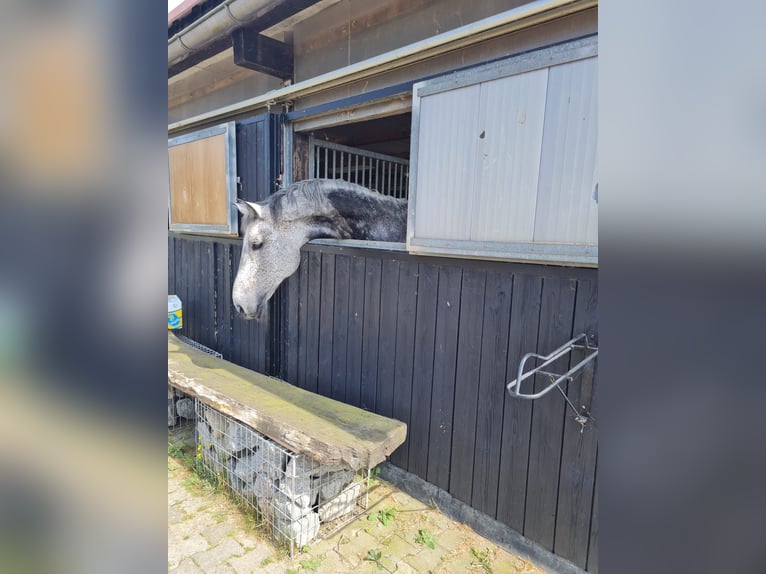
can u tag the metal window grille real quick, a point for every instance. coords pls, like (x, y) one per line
(298, 499)
(385, 174)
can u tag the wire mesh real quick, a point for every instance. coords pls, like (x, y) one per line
(181, 409)
(297, 498)
(199, 346)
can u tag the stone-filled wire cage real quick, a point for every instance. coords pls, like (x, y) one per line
(300, 499)
(181, 412)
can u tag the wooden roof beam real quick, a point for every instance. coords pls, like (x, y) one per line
(263, 54)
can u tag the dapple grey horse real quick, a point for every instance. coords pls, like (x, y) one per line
(275, 230)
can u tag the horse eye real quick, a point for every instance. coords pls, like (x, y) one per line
(256, 246)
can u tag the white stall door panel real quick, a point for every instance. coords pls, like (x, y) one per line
(567, 211)
(447, 163)
(512, 112)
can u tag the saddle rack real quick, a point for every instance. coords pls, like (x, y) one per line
(514, 387)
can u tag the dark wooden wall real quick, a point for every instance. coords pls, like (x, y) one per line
(433, 342)
(429, 341)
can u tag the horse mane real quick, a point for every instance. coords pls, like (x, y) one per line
(309, 197)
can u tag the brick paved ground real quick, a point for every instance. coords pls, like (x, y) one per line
(207, 533)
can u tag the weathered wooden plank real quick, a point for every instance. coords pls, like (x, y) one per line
(326, 297)
(445, 354)
(340, 328)
(327, 430)
(209, 293)
(592, 565)
(369, 378)
(228, 310)
(492, 381)
(303, 272)
(220, 300)
(171, 265)
(405, 341)
(314, 288)
(578, 455)
(548, 415)
(195, 310)
(239, 352)
(290, 328)
(466, 384)
(423, 369)
(384, 403)
(517, 413)
(355, 332)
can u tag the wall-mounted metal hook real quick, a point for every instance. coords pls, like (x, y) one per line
(514, 387)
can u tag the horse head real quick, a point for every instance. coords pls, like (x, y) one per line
(275, 230)
(271, 252)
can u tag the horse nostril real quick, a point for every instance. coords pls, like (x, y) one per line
(239, 309)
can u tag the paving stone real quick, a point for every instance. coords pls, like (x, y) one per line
(404, 568)
(226, 549)
(360, 543)
(330, 564)
(180, 548)
(214, 534)
(450, 539)
(505, 562)
(399, 547)
(175, 515)
(425, 560)
(463, 563)
(187, 566)
(251, 562)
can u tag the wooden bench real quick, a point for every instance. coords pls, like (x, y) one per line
(326, 430)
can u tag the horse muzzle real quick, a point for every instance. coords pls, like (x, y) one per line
(257, 314)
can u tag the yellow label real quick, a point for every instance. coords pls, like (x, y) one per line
(175, 319)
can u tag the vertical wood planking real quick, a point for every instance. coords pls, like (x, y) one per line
(303, 272)
(592, 565)
(324, 365)
(238, 356)
(290, 328)
(222, 300)
(210, 293)
(548, 414)
(445, 353)
(355, 331)
(578, 455)
(423, 370)
(371, 333)
(314, 291)
(383, 336)
(194, 288)
(405, 342)
(517, 413)
(387, 343)
(467, 383)
(340, 328)
(492, 381)
(171, 265)
(228, 311)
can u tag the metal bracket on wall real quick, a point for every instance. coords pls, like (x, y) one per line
(514, 387)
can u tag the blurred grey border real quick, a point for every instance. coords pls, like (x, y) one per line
(83, 252)
(682, 145)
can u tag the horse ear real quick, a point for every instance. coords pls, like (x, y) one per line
(248, 209)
